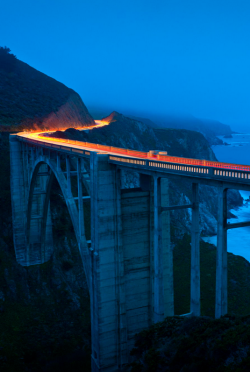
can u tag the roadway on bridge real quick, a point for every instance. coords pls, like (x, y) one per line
(39, 136)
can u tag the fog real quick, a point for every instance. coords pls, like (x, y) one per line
(138, 56)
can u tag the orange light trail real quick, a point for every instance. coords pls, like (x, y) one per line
(130, 153)
(99, 123)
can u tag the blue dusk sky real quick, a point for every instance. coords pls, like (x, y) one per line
(143, 57)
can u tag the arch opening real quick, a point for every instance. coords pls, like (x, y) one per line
(46, 177)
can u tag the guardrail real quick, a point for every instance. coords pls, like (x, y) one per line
(197, 170)
(164, 158)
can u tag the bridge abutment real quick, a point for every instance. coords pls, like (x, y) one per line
(32, 226)
(18, 198)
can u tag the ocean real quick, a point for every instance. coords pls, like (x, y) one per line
(237, 151)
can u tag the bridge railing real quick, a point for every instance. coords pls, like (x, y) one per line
(185, 169)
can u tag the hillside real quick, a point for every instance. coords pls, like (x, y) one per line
(31, 100)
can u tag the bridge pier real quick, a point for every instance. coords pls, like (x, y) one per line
(127, 291)
(107, 308)
(221, 258)
(195, 253)
(167, 252)
(158, 264)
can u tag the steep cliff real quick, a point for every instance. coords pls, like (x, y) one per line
(31, 100)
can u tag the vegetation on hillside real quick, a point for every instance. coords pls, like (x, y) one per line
(193, 345)
(7, 59)
(32, 100)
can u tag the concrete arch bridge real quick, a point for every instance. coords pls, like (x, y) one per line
(128, 261)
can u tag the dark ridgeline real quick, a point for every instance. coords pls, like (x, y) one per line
(31, 100)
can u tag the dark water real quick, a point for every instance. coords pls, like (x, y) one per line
(237, 152)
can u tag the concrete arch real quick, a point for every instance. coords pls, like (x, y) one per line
(38, 201)
(122, 252)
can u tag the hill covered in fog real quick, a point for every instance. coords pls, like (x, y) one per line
(209, 128)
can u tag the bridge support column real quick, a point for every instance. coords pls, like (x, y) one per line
(158, 263)
(80, 201)
(137, 249)
(108, 313)
(58, 162)
(167, 252)
(68, 176)
(27, 165)
(195, 253)
(221, 259)
(32, 157)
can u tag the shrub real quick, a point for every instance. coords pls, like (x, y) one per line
(7, 59)
(67, 265)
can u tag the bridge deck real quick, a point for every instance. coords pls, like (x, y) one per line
(198, 168)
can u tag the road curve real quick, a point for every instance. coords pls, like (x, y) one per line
(130, 153)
